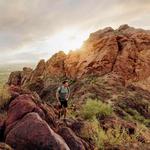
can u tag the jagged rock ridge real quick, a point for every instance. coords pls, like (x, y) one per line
(124, 52)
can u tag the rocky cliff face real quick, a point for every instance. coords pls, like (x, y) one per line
(124, 52)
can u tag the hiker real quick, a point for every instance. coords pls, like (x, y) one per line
(62, 96)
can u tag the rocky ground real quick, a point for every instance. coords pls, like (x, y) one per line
(110, 98)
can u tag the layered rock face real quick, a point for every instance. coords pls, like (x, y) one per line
(124, 52)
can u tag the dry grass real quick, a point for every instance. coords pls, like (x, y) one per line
(4, 95)
(99, 138)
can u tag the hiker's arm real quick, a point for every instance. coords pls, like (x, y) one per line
(68, 96)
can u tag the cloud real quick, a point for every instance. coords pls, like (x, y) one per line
(25, 23)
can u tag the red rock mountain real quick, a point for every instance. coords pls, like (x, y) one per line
(124, 52)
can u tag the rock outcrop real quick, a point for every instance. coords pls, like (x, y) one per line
(71, 139)
(4, 146)
(123, 52)
(55, 65)
(19, 107)
(31, 132)
(32, 125)
(15, 78)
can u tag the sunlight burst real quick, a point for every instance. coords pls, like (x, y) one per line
(69, 39)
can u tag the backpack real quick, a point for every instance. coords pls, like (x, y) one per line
(61, 89)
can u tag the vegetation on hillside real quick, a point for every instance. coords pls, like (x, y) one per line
(95, 108)
(111, 111)
(4, 96)
(93, 112)
(112, 114)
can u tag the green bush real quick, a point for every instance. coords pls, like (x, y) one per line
(92, 108)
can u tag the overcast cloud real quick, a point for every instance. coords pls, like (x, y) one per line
(28, 27)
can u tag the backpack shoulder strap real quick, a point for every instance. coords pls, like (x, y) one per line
(60, 88)
(68, 89)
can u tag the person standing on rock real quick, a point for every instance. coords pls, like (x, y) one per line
(62, 96)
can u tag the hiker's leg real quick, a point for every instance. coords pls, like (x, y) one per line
(65, 112)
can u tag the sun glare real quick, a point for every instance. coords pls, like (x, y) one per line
(69, 39)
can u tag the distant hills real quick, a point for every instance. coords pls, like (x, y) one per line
(6, 69)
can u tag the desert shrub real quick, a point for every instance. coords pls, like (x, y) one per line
(4, 96)
(144, 132)
(99, 138)
(119, 136)
(94, 108)
(71, 113)
(136, 116)
(94, 133)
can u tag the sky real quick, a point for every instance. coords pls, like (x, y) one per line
(31, 30)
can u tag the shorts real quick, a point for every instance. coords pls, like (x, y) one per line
(64, 103)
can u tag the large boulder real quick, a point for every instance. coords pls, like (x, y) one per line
(71, 139)
(19, 107)
(4, 146)
(14, 91)
(51, 115)
(32, 133)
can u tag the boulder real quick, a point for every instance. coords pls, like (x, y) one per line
(4, 146)
(14, 91)
(71, 139)
(51, 115)
(19, 107)
(32, 133)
